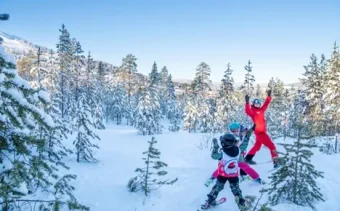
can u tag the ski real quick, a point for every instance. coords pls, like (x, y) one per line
(218, 202)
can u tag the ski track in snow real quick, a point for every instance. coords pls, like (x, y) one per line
(102, 186)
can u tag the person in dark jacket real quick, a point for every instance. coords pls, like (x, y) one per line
(227, 171)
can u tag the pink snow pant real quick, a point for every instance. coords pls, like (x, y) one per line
(245, 167)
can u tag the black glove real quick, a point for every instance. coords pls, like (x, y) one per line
(253, 127)
(247, 98)
(269, 92)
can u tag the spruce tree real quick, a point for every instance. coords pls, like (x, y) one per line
(29, 163)
(164, 74)
(295, 181)
(148, 114)
(225, 100)
(129, 67)
(175, 114)
(248, 86)
(147, 178)
(154, 76)
(84, 131)
(278, 106)
(65, 57)
(191, 116)
(332, 95)
(315, 89)
(202, 83)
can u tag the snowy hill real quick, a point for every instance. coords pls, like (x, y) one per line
(102, 186)
(19, 48)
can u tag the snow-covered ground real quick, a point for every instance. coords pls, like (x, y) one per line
(102, 186)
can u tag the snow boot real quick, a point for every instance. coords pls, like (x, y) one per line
(276, 162)
(241, 203)
(249, 159)
(208, 205)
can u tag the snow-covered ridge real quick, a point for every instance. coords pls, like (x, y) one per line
(17, 46)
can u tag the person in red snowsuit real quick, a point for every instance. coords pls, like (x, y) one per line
(256, 112)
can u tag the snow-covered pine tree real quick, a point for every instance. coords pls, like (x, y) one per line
(332, 96)
(191, 116)
(154, 76)
(258, 92)
(248, 86)
(169, 96)
(315, 90)
(173, 109)
(148, 114)
(98, 109)
(83, 114)
(115, 102)
(147, 180)
(26, 167)
(295, 182)
(129, 68)
(38, 72)
(164, 74)
(275, 115)
(65, 57)
(202, 83)
(225, 100)
(84, 130)
(175, 117)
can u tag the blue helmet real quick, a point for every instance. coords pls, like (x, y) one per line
(234, 126)
(257, 101)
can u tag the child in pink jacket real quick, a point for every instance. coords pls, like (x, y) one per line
(239, 131)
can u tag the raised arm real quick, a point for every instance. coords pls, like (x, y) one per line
(247, 109)
(267, 101)
(216, 154)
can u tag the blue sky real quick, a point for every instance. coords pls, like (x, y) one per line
(277, 36)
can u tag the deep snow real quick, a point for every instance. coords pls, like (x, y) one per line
(102, 186)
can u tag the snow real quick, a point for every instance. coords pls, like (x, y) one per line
(15, 44)
(102, 186)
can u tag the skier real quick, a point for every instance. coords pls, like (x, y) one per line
(244, 134)
(256, 112)
(227, 171)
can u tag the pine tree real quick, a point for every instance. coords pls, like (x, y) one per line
(148, 114)
(175, 114)
(29, 165)
(248, 86)
(164, 74)
(191, 116)
(227, 86)
(295, 181)
(258, 92)
(154, 76)
(98, 113)
(202, 83)
(225, 100)
(65, 57)
(147, 180)
(276, 114)
(315, 89)
(332, 95)
(129, 66)
(169, 96)
(84, 130)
